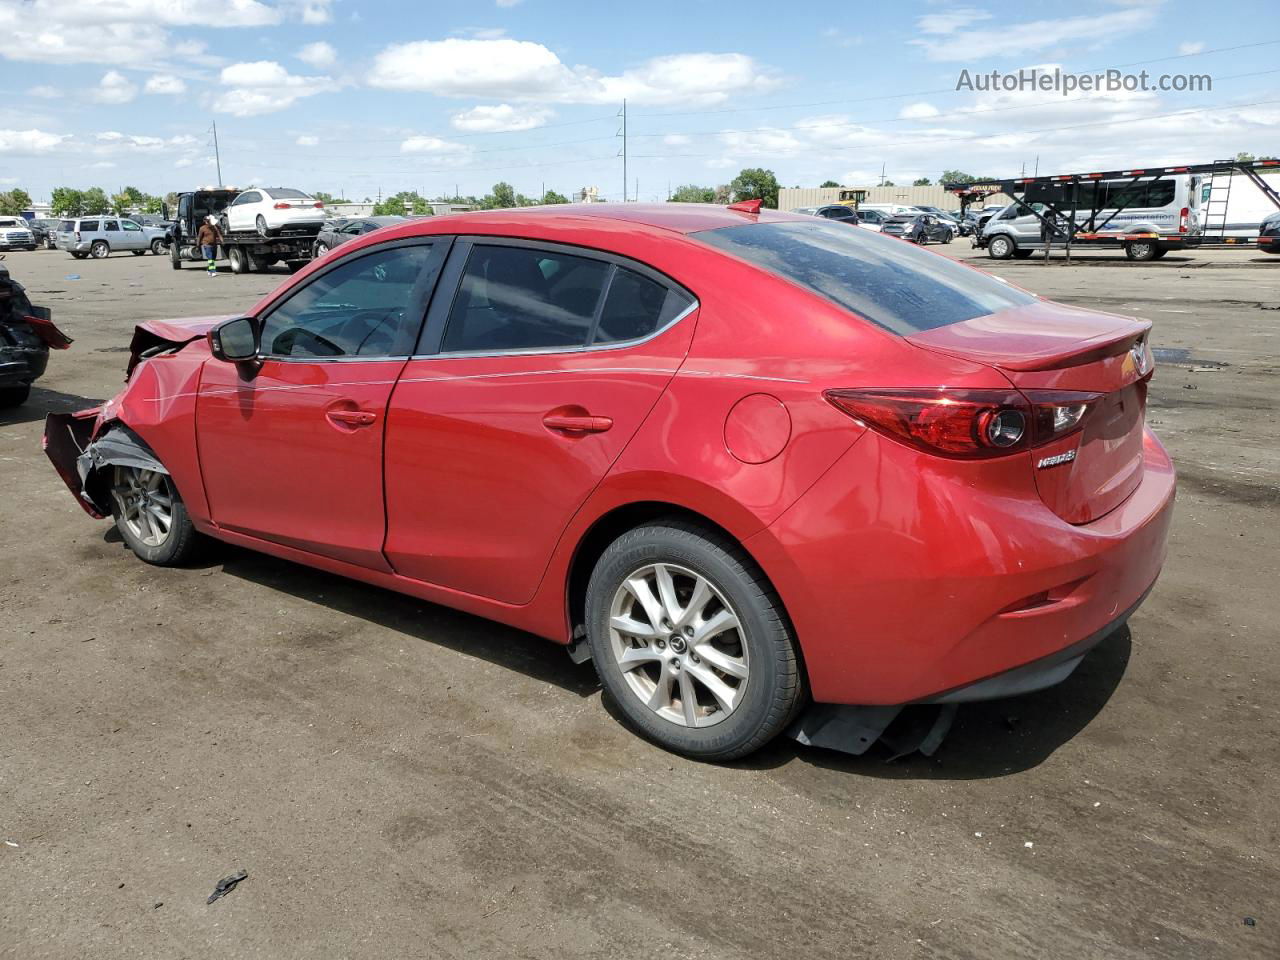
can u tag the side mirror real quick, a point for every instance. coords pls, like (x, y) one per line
(235, 341)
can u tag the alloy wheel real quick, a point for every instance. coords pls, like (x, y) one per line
(679, 645)
(145, 501)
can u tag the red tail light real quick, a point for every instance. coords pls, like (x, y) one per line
(281, 206)
(1182, 220)
(77, 236)
(318, 205)
(967, 424)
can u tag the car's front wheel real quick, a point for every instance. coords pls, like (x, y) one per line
(262, 226)
(320, 250)
(157, 247)
(151, 516)
(1000, 248)
(691, 641)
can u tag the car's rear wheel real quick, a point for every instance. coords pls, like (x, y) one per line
(948, 237)
(79, 256)
(691, 642)
(1000, 248)
(100, 249)
(14, 396)
(157, 247)
(151, 516)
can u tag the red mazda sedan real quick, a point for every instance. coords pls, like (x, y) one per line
(747, 462)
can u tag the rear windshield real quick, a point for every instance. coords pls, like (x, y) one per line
(67, 225)
(285, 193)
(893, 284)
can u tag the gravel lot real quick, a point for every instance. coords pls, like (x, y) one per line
(401, 780)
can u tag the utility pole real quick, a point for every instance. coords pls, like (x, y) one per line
(217, 157)
(882, 174)
(623, 134)
(637, 189)
(1037, 173)
(1024, 169)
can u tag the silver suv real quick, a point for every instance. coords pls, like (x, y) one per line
(14, 234)
(103, 235)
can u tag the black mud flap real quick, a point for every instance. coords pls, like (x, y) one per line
(854, 730)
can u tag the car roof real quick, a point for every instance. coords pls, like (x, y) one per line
(673, 217)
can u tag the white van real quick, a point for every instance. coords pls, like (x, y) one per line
(1234, 207)
(1169, 207)
(890, 209)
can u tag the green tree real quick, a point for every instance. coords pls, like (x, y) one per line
(14, 202)
(171, 200)
(503, 196)
(153, 204)
(691, 193)
(922, 182)
(327, 197)
(888, 183)
(407, 201)
(95, 201)
(756, 183)
(67, 202)
(829, 183)
(552, 197)
(127, 200)
(1244, 157)
(956, 176)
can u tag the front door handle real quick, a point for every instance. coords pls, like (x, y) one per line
(354, 418)
(569, 424)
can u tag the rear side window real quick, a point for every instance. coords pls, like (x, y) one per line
(88, 225)
(637, 307)
(522, 299)
(895, 285)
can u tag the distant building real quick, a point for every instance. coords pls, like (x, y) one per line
(789, 198)
(587, 195)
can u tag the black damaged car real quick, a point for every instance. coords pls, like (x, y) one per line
(919, 228)
(1269, 234)
(27, 334)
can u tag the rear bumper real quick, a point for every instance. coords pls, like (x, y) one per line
(909, 580)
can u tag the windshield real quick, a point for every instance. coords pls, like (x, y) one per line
(893, 284)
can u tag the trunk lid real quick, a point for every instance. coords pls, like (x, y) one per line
(1051, 351)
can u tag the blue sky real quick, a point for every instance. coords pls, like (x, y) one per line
(358, 96)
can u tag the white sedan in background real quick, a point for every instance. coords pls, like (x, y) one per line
(268, 211)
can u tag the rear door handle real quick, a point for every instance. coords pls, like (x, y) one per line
(355, 418)
(568, 424)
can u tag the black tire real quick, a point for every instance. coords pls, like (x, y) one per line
(33, 247)
(261, 224)
(239, 262)
(948, 237)
(1001, 248)
(319, 250)
(99, 249)
(1141, 250)
(157, 247)
(1022, 254)
(175, 257)
(79, 256)
(182, 540)
(138, 253)
(14, 396)
(774, 686)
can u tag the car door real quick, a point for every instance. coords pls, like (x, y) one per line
(240, 214)
(110, 231)
(133, 237)
(532, 377)
(291, 451)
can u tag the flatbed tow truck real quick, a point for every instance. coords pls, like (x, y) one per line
(246, 250)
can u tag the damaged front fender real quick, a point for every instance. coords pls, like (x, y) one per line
(81, 460)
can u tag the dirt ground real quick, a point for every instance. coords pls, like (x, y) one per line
(400, 780)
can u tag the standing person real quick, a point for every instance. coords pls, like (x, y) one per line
(209, 237)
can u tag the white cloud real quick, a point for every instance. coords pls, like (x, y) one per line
(950, 21)
(308, 141)
(522, 70)
(263, 86)
(44, 92)
(319, 55)
(918, 111)
(165, 83)
(1014, 39)
(1190, 47)
(125, 32)
(434, 146)
(676, 140)
(500, 118)
(29, 141)
(114, 87)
